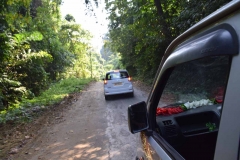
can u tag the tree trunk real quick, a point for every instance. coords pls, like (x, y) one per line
(166, 28)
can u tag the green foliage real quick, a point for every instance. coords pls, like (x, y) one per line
(211, 126)
(38, 48)
(58, 91)
(194, 11)
(18, 65)
(141, 30)
(27, 36)
(87, 62)
(10, 92)
(111, 59)
(114, 61)
(69, 18)
(134, 32)
(26, 109)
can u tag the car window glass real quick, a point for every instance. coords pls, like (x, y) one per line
(196, 80)
(188, 113)
(116, 75)
(124, 74)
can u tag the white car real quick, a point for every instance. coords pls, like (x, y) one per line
(117, 82)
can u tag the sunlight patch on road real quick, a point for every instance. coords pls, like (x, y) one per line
(91, 137)
(93, 149)
(114, 153)
(89, 152)
(81, 146)
(55, 145)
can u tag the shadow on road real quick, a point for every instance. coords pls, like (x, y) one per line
(119, 96)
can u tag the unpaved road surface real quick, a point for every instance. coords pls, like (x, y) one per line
(91, 128)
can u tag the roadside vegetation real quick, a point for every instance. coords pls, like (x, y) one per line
(39, 48)
(39, 51)
(141, 30)
(28, 108)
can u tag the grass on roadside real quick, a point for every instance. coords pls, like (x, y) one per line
(144, 80)
(27, 108)
(58, 91)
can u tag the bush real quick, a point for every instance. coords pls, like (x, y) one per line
(26, 109)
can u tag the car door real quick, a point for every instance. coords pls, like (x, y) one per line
(198, 75)
(202, 68)
(189, 110)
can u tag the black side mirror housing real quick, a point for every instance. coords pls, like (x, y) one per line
(137, 117)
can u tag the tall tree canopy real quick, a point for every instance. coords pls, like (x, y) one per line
(141, 30)
(38, 47)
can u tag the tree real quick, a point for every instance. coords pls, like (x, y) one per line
(32, 48)
(69, 18)
(141, 30)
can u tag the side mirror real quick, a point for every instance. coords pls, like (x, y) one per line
(137, 117)
(103, 79)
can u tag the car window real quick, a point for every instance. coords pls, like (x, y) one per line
(203, 79)
(116, 75)
(188, 113)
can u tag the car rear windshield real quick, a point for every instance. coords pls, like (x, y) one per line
(117, 75)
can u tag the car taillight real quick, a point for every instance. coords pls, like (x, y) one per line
(129, 78)
(105, 81)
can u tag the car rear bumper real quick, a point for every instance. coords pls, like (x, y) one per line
(113, 92)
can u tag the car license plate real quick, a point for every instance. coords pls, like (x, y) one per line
(118, 83)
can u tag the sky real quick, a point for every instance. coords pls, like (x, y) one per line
(97, 25)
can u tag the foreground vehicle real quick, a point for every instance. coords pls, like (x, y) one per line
(192, 111)
(117, 82)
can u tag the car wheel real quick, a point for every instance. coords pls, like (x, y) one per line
(106, 97)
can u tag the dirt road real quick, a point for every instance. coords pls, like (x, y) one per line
(92, 128)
